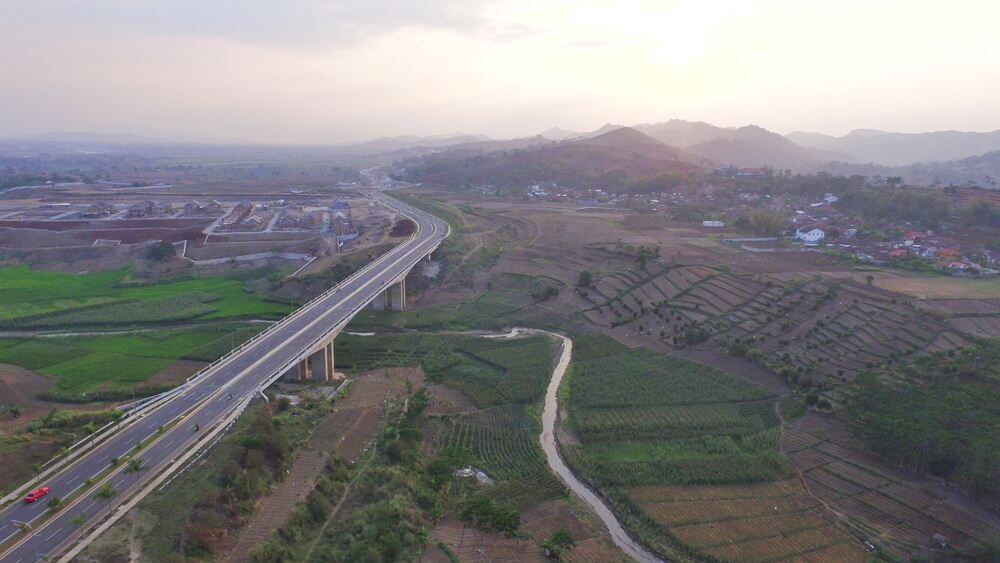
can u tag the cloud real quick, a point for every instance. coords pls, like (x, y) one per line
(292, 24)
(594, 43)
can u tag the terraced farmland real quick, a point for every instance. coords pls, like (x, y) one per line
(816, 332)
(692, 462)
(897, 516)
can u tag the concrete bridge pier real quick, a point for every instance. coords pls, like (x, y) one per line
(397, 294)
(317, 366)
(394, 296)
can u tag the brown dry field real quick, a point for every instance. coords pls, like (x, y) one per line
(592, 540)
(176, 373)
(19, 385)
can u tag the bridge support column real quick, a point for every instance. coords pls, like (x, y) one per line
(380, 299)
(397, 294)
(299, 372)
(320, 363)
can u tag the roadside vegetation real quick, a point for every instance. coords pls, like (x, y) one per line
(408, 480)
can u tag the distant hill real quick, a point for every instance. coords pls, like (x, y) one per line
(621, 149)
(87, 137)
(390, 144)
(753, 146)
(506, 145)
(608, 161)
(557, 134)
(683, 134)
(900, 149)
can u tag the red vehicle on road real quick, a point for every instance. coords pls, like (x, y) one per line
(36, 494)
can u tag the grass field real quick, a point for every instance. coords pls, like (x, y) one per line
(54, 300)
(88, 363)
(941, 287)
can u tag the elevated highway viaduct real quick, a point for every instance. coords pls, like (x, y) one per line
(298, 347)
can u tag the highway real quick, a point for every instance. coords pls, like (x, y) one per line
(207, 400)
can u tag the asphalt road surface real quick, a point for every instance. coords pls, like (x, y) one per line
(209, 395)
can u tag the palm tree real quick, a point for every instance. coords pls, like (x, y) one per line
(78, 520)
(106, 493)
(117, 416)
(90, 430)
(135, 466)
(36, 468)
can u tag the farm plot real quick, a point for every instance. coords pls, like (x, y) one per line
(892, 513)
(682, 445)
(490, 371)
(758, 522)
(640, 377)
(88, 363)
(503, 442)
(32, 299)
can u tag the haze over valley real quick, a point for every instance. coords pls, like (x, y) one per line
(500, 280)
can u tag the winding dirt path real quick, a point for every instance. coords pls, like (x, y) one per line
(548, 440)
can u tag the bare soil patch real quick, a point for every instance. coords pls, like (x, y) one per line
(21, 386)
(176, 373)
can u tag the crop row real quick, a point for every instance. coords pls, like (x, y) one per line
(718, 469)
(167, 309)
(640, 377)
(669, 422)
(507, 453)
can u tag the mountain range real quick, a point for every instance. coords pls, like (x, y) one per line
(960, 156)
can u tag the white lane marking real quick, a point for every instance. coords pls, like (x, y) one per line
(53, 534)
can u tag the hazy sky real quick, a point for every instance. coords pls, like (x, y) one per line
(322, 71)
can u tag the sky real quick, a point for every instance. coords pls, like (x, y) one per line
(337, 71)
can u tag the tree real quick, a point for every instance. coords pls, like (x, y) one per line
(585, 278)
(559, 542)
(55, 503)
(117, 416)
(161, 251)
(106, 493)
(36, 468)
(15, 410)
(869, 278)
(78, 520)
(135, 466)
(90, 429)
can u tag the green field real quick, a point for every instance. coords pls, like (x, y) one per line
(491, 371)
(503, 442)
(36, 299)
(89, 363)
(650, 419)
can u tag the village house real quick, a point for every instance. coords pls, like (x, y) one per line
(162, 209)
(98, 210)
(810, 234)
(140, 210)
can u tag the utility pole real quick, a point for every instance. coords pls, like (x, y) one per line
(22, 526)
